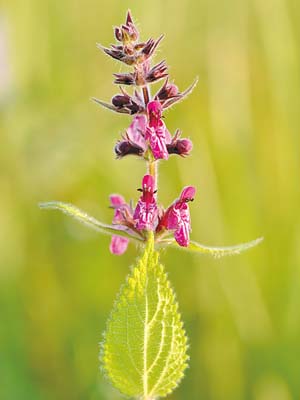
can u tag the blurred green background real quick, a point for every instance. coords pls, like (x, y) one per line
(58, 281)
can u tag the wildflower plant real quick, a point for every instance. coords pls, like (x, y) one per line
(144, 351)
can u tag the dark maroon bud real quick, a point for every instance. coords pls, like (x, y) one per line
(133, 108)
(125, 148)
(149, 47)
(124, 79)
(124, 101)
(180, 96)
(120, 100)
(167, 91)
(182, 147)
(159, 71)
(118, 34)
(118, 53)
(111, 106)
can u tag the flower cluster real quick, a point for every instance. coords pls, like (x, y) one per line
(147, 216)
(147, 136)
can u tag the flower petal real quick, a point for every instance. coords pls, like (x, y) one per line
(182, 234)
(136, 131)
(187, 194)
(116, 200)
(118, 245)
(157, 142)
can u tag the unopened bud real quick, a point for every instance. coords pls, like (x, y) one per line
(148, 48)
(182, 147)
(167, 91)
(127, 32)
(124, 79)
(124, 101)
(125, 148)
(159, 71)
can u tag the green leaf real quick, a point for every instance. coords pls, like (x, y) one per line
(89, 221)
(216, 252)
(144, 348)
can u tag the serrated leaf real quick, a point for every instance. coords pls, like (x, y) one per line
(89, 221)
(144, 350)
(216, 252)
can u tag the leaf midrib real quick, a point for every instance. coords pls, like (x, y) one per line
(146, 338)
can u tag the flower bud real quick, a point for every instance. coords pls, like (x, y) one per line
(159, 71)
(126, 102)
(124, 79)
(182, 147)
(120, 100)
(148, 49)
(167, 91)
(127, 32)
(119, 54)
(125, 148)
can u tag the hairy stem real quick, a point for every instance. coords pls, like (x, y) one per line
(146, 94)
(153, 170)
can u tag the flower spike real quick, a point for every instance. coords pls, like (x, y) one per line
(144, 350)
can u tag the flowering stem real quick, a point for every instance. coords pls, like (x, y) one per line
(146, 94)
(152, 170)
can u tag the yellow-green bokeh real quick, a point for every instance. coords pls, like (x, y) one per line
(57, 279)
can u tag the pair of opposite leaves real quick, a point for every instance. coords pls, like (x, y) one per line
(144, 351)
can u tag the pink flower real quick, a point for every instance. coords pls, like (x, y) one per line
(136, 131)
(146, 213)
(156, 132)
(118, 244)
(177, 217)
(151, 131)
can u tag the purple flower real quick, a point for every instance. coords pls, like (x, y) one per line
(177, 217)
(118, 244)
(146, 213)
